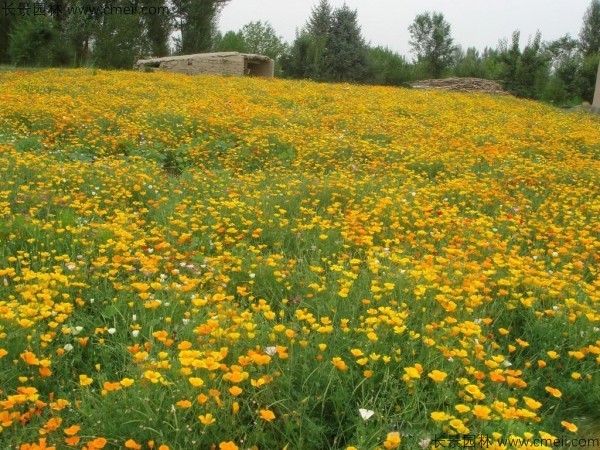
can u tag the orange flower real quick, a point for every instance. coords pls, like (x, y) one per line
(229, 445)
(130, 443)
(73, 429)
(267, 415)
(554, 392)
(569, 426)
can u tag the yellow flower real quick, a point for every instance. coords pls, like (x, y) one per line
(267, 415)
(339, 364)
(440, 416)
(531, 403)
(126, 382)
(84, 380)
(235, 390)
(207, 419)
(392, 440)
(437, 375)
(482, 412)
(196, 382)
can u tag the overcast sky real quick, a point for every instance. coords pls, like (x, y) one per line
(475, 23)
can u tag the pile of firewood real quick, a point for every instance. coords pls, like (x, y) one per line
(461, 85)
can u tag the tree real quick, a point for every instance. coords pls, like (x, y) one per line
(157, 28)
(345, 56)
(386, 67)
(231, 41)
(524, 73)
(432, 43)
(589, 36)
(469, 63)
(196, 21)
(261, 38)
(305, 57)
(565, 64)
(31, 41)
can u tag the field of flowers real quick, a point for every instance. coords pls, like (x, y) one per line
(207, 262)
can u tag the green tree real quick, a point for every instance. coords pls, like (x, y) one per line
(525, 72)
(565, 83)
(432, 43)
(469, 63)
(232, 41)
(33, 40)
(386, 67)
(260, 38)
(157, 28)
(345, 56)
(305, 56)
(589, 36)
(118, 39)
(196, 22)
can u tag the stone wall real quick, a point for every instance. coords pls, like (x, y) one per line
(228, 63)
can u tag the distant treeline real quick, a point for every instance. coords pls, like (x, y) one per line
(329, 47)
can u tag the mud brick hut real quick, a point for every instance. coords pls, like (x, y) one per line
(227, 63)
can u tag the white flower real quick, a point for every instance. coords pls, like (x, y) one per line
(76, 330)
(185, 321)
(111, 331)
(135, 333)
(424, 443)
(70, 266)
(68, 347)
(252, 275)
(134, 317)
(366, 414)
(506, 363)
(270, 350)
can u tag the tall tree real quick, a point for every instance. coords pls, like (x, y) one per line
(196, 22)
(261, 38)
(157, 27)
(345, 56)
(305, 57)
(524, 72)
(589, 36)
(432, 43)
(231, 41)
(386, 67)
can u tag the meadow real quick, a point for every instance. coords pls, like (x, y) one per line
(222, 263)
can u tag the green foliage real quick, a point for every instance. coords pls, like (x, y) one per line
(158, 28)
(34, 41)
(305, 58)
(432, 43)
(589, 72)
(261, 38)
(469, 64)
(118, 40)
(524, 72)
(196, 21)
(386, 67)
(230, 42)
(566, 63)
(589, 35)
(345, 56)
(6, 23)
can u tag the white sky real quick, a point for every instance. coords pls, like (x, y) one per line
(475, 23)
